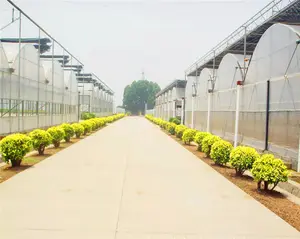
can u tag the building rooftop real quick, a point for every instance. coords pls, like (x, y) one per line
(175, 83)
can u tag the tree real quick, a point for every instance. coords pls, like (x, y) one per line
(137, 94)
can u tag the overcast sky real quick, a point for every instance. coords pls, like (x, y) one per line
(117, 40)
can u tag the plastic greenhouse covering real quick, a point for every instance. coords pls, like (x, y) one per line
(274, 60)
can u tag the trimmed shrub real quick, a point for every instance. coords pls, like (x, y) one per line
(188, 136)
(242, 159)
(199, 138)
(269, 170)
(57, 134)
(179, 130)
(208, 142)
(171, 128)
(174, 120)
(69, 131)
(93, 124)
(40, 140)
(78, 129)
(87, 127)
(220, 152)
(87, 115)
(14, 147)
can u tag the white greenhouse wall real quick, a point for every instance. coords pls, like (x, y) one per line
(275, 59)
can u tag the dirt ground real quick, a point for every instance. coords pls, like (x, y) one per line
(275, 201)
(7, 171)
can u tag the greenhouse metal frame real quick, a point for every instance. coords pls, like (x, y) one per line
(40, 80)
(247, 88)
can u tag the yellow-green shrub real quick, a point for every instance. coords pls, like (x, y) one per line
(40, 140)
(199, 138)
(57, 134)
(179, 130)
(78, 129)
(270, 171)
(69, 131)
(171, 128)
(242, 159)
(208, 142)
(220, 152)
(14, 147)
(188, 136)
(87, 126)
(92, 123)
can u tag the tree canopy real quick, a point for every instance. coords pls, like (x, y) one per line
(138, 93)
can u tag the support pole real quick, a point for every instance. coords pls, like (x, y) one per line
(174, 108)
(237, 115)
(267, 116)
(168, 108)
(238, 92)
(298, 166)
(39, 104)
(19, 73)
(52, 86)
(193, 99)
(182, 111)
(208, 112)
(210, 94)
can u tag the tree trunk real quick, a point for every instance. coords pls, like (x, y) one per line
(41, 149)
(266, 186)
(16, 163)
(259, 185)
(56, 144)
(238, 172)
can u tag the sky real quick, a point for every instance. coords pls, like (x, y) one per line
(118, 40)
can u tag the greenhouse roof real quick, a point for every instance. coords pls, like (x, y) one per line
(278, 11)
(175, 83)
(92, 78)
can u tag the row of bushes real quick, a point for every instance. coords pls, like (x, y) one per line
(14, 147)
(265, 168)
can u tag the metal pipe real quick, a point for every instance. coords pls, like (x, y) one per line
(208, 112)
(298, 166)
(19, 73)
(210, 93)
(245, 52)
(52, 86)
(237, 115)
(267, 116)
(30, 19)
(174, 108)
(62, 111)
(38, 91)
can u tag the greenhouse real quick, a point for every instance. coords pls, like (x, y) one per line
(265, 87)
(272, 83)
(94, 95)
(170, 101)
(37, 91)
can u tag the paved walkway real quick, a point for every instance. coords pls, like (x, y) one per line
(130, 180)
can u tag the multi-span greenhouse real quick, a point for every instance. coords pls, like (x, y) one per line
(41, 83)
(247, 88)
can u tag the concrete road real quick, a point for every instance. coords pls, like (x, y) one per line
(130, 181)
